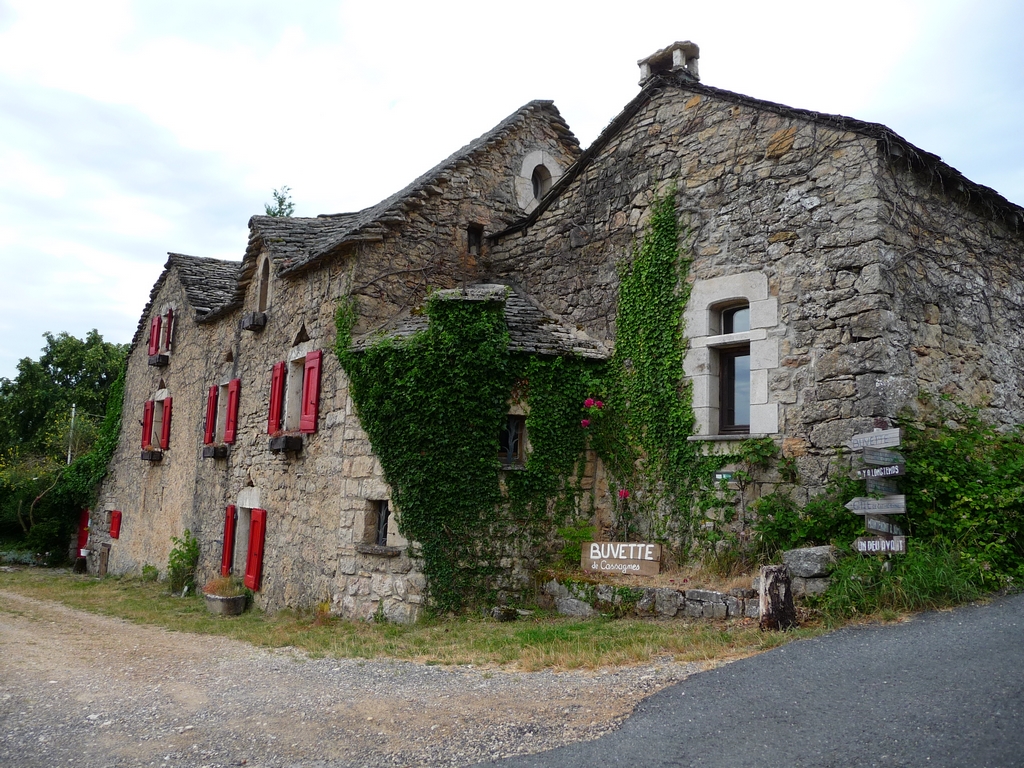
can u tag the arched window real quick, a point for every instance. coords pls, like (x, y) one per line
(541, 181)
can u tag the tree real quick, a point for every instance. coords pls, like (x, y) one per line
(50, 413)
(283, 206)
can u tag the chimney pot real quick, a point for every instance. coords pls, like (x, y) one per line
(679, 57)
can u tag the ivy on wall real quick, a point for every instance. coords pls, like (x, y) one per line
(433, 406)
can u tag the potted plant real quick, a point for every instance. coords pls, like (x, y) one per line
(225, 595)
(151, 453)
(280, 441)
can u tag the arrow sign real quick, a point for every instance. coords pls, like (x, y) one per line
(870, 545)
(885, 438)
(879, 456)
(887, 470)
(882, 485)
(882, 526)
(888, 505)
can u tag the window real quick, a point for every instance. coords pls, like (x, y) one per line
(264, 297)
(161, 336)
(474, 239)
(295, 394)
(541, 180)
(734, 390)
(227, 557)
(222, 413)
(156, 422)
(254, 553)
(375, 526)
(512, 441)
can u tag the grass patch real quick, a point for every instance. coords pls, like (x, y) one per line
(539, 642)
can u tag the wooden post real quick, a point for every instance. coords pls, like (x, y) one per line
(777, 610)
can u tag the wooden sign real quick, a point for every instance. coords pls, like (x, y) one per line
(882, 526)
(884, 438)
(887, 470)
(882, 485)
(887, 505)
(879, 456)
(875, 545)
(637, 559)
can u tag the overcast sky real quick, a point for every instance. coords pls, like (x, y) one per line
(130, 129)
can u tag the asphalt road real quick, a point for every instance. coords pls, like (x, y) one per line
(943, 689)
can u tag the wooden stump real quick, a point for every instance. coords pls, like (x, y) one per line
(777, 610)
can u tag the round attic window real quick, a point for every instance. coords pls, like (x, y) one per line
(537, 175)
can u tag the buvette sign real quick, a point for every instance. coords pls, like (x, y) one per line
(636, 558)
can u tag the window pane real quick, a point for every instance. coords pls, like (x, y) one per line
(736, 320)
(741, 390)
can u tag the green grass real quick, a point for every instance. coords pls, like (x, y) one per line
(538, 642)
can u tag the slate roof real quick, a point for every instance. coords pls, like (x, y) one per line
(531, 329)
(894, 146)
(296, 243)
(209, 285)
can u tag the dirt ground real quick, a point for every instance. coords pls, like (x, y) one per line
(86, 690)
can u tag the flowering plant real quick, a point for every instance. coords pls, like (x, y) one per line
(592, 408)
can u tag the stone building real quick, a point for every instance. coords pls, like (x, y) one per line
(838, 272)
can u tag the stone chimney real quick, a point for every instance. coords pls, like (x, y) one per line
(678, 57)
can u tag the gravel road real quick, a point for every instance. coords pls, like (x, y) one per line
(90, 691)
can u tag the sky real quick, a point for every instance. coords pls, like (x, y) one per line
(132, 129)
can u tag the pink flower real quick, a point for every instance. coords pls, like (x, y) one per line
(599, 404)
(588, 403)
(624, 493)
(584, 423)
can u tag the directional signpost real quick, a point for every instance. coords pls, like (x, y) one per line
(884, 466)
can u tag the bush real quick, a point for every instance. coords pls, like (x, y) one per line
(182, 563)
(574, 534)
(930, 575)
(781, 525)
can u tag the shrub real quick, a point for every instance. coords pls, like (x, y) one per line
(182, 562)
(224, 586)
(150, 573)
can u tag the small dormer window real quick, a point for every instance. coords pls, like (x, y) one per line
(541, 181)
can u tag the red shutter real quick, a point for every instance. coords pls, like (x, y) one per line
(231, 422)
(169, 329)
(211, 415)
(115, 524)
(254, 560)
(83, 530)
(228, 553)
(276, 397)
(147, 423)
(310, 392)
(154, 335)
(165, 431)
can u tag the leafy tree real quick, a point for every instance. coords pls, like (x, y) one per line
(283, 206)
(38, 432)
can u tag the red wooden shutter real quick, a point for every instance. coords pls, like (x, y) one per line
(165, 431)
(147, 423)
(254, 560)
(228, 553)
(310, 392)
(169, 329)
(115, 524)
(211, 415)
(276, 397)
(154, 335)
(231, 422)
(83, 530)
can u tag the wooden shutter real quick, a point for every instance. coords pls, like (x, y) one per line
(154, 335)
(276, 397)
(168, 329)
(254, 560)
(115, 524)
(147, 423)
(165, 429)
(83, 530)
(310, 392)
(231, 421)
(228, 553)
(211, 415)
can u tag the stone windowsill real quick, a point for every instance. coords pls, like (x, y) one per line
(378, 550)
(726, 438)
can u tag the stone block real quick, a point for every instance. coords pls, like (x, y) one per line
(694, 609)
(752, 609)
(733, 607)
(804, 587)
(666, 601)
(705, 596)
(714, 610)
(570, 606)
(810, 562)
(556, 590)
